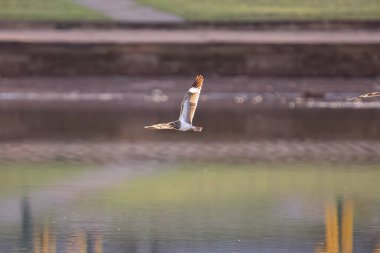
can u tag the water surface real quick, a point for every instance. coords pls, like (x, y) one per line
(205, 207)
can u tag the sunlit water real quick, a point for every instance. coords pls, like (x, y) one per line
(156, 207)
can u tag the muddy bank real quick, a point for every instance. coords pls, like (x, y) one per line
(185, 52)
(196, 150)
(292, 25)
(60, 59)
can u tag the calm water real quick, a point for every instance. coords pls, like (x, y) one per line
(151, 207)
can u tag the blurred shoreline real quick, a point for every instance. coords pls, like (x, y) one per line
(230, 108)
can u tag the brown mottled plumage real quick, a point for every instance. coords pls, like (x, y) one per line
(198, 82)
(191, 99)
(188, 107)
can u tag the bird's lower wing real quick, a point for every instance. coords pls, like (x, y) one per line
(160, 126)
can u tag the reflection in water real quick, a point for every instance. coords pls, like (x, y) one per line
(27, 234)
(214, 209)
(80, 242)
(44, 240)
(338, 232)
(77, 243)
(339, 227)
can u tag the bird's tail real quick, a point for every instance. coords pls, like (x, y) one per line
(197, 128)
(161, 126)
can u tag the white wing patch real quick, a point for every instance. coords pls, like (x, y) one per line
(184, 109)
(194, 90)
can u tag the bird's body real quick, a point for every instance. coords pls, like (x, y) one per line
(184, 126)
(189, 104)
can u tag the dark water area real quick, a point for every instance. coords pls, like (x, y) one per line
(239, 107)
(199, 207)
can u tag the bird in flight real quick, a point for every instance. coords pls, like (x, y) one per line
(368, 95)
(189, 104)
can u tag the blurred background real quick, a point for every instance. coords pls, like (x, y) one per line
(286, 162)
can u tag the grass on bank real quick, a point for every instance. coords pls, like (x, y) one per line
(46, 10)
(246, 10)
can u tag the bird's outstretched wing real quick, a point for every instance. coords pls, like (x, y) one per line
(189, 103)
(368, 95)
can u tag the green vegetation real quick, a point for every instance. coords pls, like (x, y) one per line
(18, 177)
(269, 9)
(237, 182)
(45, 10)
(244, 201)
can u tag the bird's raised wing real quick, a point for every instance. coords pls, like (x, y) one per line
(189, 103)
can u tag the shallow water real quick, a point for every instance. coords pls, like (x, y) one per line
(157, 207)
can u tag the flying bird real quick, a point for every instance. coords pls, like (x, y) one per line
(368, 95)
(189, 104)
